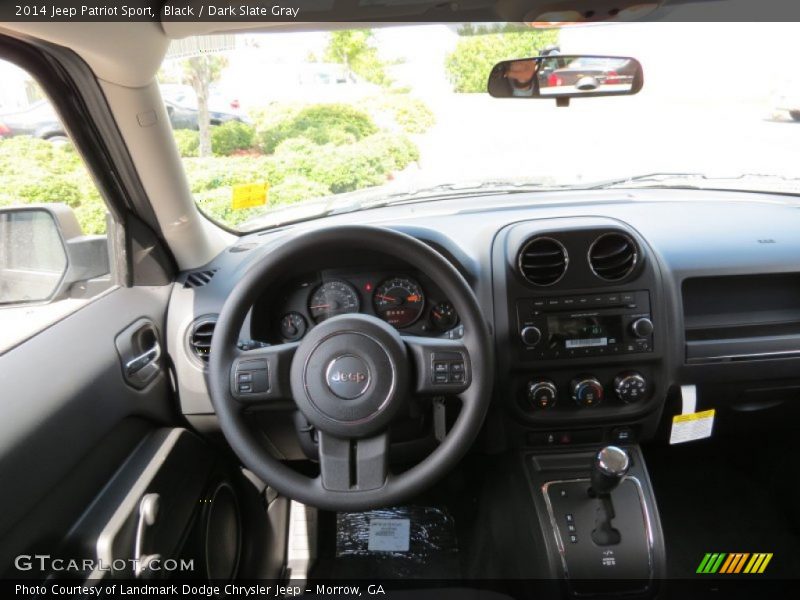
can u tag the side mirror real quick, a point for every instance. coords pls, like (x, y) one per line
(43, 252)
(561, 77)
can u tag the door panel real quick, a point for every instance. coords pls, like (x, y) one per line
(68, 419)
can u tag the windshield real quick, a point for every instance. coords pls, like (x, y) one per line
(305, 124)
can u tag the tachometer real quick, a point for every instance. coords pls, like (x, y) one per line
(335, 297)
(399, 301)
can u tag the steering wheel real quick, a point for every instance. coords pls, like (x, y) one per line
(349, 376)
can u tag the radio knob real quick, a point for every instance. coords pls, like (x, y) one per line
(586, 391)
(530, 335)
(542, 394)
(642, 328)
(630, 387)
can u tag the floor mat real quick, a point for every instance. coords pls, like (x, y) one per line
(725, 497)
(403, 542)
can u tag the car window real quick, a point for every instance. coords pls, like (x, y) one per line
(54, 255)
(595, 63)
(413, 115)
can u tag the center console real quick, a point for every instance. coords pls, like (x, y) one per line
(599, 520)
(581, 331)
(582, 351)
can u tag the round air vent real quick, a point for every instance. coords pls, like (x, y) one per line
(543, 261)
(200, 337)
(613, 256)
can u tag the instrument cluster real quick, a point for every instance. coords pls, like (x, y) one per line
(408, 301)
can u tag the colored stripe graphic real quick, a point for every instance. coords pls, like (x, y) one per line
(727, 564)
(730, 564)
(715, 562)
(703, 563)
(740, 564)
(734, 563)
(764, 564)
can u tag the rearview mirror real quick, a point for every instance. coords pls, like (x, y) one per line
(566, 76)
(43, 252)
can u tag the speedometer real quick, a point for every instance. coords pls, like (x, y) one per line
(335, 297)
(399, 301)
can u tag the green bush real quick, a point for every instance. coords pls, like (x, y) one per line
(230, 137)
(412, 114)
(206, 174)
(226, 139)
(398, 151)
(349, 168)
(482, 47)
(36, 171)
(297, 188)
(319, 123)
(405, 112)
(298, 170)
(354, 156)
(187, 141)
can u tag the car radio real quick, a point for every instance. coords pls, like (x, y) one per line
(588, 325)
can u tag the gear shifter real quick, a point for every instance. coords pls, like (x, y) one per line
(609, 467)
(597, 506)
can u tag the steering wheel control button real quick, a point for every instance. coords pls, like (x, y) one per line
(448, 368)
(348, 376)
(252, 377)
(587, 391)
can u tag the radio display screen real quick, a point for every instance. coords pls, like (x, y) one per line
(583, 332)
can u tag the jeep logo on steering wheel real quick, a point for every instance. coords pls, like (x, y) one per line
(347, 376)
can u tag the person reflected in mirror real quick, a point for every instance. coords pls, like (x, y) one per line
(515, 78)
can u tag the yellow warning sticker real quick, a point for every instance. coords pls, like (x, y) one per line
(692, 426)
(249, 195)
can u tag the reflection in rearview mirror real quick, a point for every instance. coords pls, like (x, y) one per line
(566, 76)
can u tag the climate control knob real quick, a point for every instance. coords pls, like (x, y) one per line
(530, 335)
(642, 327)
(586, 391)
(630, 387)
(542, 394)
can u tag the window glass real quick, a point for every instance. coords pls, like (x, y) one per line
(47, 198)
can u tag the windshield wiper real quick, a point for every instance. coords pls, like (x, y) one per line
(698, 181)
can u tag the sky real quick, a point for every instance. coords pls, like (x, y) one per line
(752, 59)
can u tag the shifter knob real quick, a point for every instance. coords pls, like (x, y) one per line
(609, 466)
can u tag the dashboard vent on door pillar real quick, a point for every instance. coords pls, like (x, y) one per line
(199, 278)
(613, 256)
(200, 338)
(543, 261)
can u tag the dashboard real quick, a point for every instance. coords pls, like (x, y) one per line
(602, 303)
(405, 298)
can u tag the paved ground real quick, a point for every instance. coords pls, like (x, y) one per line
(598, 138)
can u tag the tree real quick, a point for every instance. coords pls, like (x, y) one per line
(200, 72)
(481, 47)
(353, 48)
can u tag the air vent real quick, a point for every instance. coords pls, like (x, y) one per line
(200, 338)
(543, 261)
(613, 256)
(199, 278)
